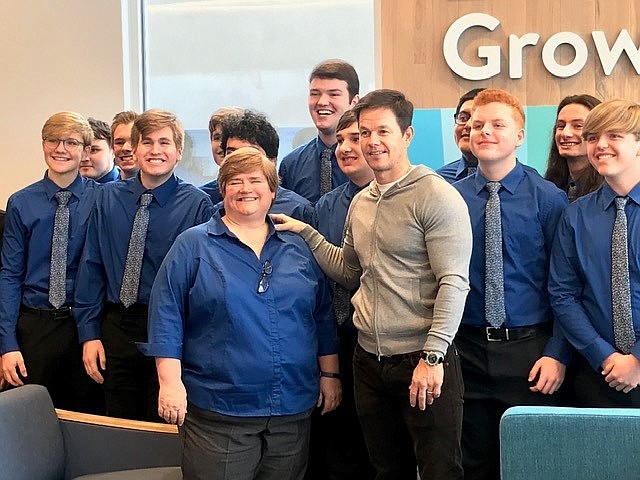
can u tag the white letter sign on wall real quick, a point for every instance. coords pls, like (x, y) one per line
(452, 56)
(579, 61)
(609, 57)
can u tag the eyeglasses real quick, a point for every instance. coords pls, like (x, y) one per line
(69, 143)
(462, 118)
(263, 282)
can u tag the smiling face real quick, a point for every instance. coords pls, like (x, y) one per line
(568, 131)
(615, 155)
(461, 131)
(328, 100)
(61, 160)
(123, 150)
(248, 195)
(157, 156)
(349, 155)
(384, 145)
(495, 134)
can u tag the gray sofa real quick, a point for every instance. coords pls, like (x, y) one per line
(37, 444)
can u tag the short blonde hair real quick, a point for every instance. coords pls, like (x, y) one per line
(246, 160)
(154, 120)
(620, 115)
(66, 123)
(492, 95)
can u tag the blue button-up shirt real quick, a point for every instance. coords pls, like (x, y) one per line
(26, 252)
(289, 203)
(454, 171)
(300, 170)
(530, 209)
(111, 176)
(213, 191)
(176, 206)
(580, 276)
(331, 210)
(243, 353)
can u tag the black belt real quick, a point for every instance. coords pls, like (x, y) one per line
(135, 309)
(498, 334)
(51, 313)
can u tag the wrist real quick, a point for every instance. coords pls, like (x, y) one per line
(330, 375)
(432, 358)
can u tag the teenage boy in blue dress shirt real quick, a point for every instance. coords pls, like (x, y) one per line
(521, 360)
(333, 89)
(337, 448)
(108, 329)
(215, 134)
(121, 143)
(98, 164)
(468, 163)
(252, 129)
(580, 282)
(38, 341)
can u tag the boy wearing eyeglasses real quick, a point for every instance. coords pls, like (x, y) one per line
(467, 164)
(44, 235)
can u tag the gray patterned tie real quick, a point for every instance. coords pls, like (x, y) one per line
(325, 171)
(59, 244)
(493, 274)
(620, 292)
(341, 296)
(133, 265)
(471, 169)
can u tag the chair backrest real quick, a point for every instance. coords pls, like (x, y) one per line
(31, 439)
(542, 443)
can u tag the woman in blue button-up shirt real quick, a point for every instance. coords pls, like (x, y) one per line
(241, 325)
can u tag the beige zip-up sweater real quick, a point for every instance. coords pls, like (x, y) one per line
(409, 250)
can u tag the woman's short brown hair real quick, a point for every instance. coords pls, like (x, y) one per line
(246, 160)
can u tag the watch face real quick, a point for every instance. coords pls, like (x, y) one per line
(432, 359)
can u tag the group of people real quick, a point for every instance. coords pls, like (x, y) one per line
(351, 315)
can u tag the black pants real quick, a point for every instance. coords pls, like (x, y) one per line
(591, 389)
(338, 450)
(131, 379)
(53, 356)
(495, 378)
(399, 436)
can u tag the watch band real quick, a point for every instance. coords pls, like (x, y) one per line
(330, 375)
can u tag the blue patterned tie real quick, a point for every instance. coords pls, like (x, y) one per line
(325, 171)
(471, 170)
(341, 296)
(133, 265)
(59, 245)
(494, 275)
(623, 333)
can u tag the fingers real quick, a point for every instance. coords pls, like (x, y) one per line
(423, 396)
(13, 366)
(91, 367)
(173, 415)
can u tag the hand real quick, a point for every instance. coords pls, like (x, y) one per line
(3, 382)
(621, 372)
(330, 394)
(549, 373)
(426, 384)
(172, 402)
(284, 223)
(12, 364)
(92, 354)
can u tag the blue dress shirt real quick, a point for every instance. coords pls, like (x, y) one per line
(243, 353)
(300, 170)
(580, 275)
(530, 209)
(111, 176)
(454, 171)
(213, 191)
(176, 206)
(330, 212)
(289, 203)
(26, 253)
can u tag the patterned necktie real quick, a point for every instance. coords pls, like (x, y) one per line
(572, 190)
(620, 291)
(341, 296)
(59, 244)
(494, 275)
(133, 265)
(325, 171)
(471, 169)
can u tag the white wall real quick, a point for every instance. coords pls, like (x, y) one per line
(54, 56)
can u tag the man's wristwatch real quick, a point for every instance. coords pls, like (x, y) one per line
(432, 358)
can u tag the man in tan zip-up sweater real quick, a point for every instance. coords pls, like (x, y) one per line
(407, 245)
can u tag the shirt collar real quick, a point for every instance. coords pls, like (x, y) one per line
(51, 188)
(462, 166)
(608, 195)
(321, 146)
(217, 227)
(510, 182)
(161, 193)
